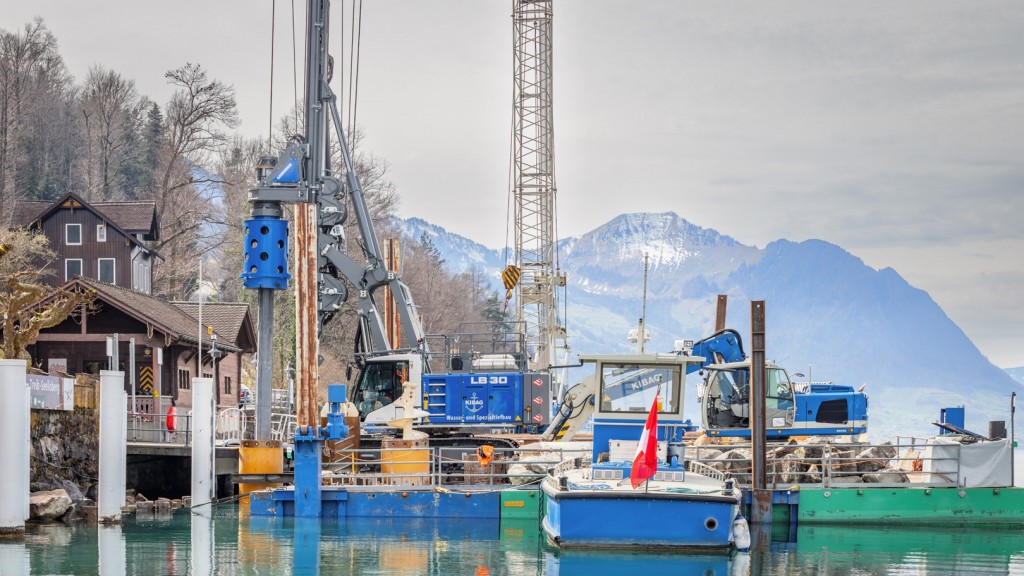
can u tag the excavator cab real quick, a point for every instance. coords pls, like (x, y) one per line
(379, 385)
(726, 397)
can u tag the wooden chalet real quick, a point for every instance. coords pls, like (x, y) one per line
(106, 241)
(166, 336)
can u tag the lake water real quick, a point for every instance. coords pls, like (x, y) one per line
(230, 543)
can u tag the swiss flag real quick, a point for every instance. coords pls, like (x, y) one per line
(645, 463)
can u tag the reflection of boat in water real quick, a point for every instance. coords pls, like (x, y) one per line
(593, 504)
(569, 562)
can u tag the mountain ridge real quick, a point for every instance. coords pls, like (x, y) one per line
(827, 311)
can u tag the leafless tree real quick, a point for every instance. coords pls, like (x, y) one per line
(111, 115)
(36, 140)
(186, 191)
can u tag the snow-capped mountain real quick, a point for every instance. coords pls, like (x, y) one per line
(829, 315)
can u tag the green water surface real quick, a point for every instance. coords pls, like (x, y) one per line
(230, 543)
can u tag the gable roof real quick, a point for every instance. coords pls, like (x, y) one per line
(164, 316)
(230, 320)
(129, 218)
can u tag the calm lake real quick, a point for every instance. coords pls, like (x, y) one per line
(231, 543)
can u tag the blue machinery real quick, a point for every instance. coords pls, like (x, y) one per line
(302, 175)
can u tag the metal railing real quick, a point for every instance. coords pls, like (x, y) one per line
(442, 467)
(839, 465)
(151, 427)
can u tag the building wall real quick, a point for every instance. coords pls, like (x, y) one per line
(90, 251)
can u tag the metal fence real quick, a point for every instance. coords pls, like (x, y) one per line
(906, 463)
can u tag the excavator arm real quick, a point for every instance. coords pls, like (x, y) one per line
(576, 407)
(723, 346)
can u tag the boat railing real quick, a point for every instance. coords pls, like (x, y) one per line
(705, 470)
(445, 467)
(839, 465)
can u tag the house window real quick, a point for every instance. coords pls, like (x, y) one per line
(184, 379)
(106, 270)
(72, 268)
(73, 234)
(227, 384)
(101, 232)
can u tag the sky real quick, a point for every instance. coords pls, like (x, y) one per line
(892, 129)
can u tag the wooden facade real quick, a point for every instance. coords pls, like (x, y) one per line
(91, 243)
(165, 338)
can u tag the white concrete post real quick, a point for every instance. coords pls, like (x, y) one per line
(14, 462)
(203, 480)
(113, 446)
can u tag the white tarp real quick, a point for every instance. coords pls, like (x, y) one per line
(984, 463)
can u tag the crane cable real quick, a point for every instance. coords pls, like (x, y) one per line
(270, 112)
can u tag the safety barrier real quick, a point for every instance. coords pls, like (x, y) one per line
(904, 464)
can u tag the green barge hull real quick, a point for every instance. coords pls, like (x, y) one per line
(912, 506)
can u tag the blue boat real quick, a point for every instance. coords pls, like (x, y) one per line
(685, 505)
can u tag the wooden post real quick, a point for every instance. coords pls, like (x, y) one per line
(307, 343)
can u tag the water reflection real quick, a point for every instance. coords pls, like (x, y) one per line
(228, 543)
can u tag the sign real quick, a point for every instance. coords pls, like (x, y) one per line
(51, 392)
(146, 380)
(57, 365)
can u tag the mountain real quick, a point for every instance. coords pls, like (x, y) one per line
(1016, 373)
(828, 314)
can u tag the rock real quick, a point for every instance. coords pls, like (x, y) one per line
(176, 503)
(735, 460)
(49, 505)
(702, 454)
(874, 459)
(140, 498)
(186, 501)
(163, 505)
(93, 492)
(74, 492)
(41, 487)
(787, 471)
(812, 475)
(885, 477)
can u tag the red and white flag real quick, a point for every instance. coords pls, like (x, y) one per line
(645, 463)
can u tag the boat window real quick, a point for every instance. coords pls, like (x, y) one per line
(379, 385)
(631, 387)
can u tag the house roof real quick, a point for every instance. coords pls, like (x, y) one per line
(230, 320)
(129, 218)
(162, 315)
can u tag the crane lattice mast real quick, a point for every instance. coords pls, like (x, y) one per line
(534, 186)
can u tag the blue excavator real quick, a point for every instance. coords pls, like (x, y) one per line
(724, 395)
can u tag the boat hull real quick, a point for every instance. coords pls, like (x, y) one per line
(632, 519)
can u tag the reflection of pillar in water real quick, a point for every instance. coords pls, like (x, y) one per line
(307, 546)
(14, 558)
(256, 540)
(112, 550)
(202, 541)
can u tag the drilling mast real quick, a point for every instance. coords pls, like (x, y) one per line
(534, 187)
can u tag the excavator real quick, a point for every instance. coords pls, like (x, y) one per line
(724, 397)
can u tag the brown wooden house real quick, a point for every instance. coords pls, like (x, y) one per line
(106, 241)
(166, 336)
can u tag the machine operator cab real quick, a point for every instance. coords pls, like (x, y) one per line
(725, 396)
(384, 380)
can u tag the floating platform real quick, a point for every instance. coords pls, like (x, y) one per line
(1003, 507)
(377, 502)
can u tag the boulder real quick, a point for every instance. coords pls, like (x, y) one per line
(812, 475)
(885, 477)
(788, 470)
(49, 505)
(74, 492)
(875, 458)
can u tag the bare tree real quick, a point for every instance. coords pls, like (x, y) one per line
(36, 142)
(26, 306)
(186, 191)
(112, 116)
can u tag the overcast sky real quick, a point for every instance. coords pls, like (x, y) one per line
(893, 129)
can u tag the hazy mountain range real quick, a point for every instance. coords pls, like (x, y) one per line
(829, 316)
